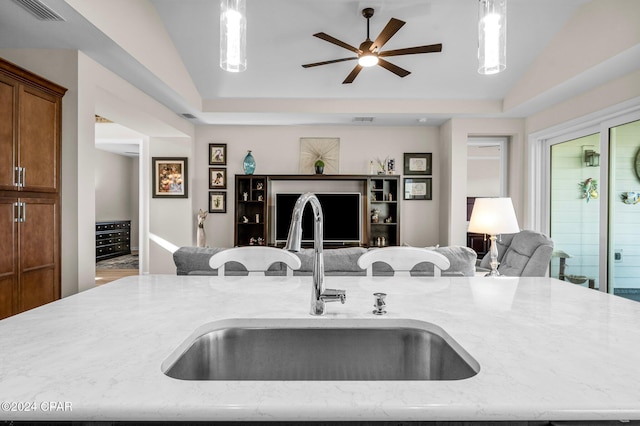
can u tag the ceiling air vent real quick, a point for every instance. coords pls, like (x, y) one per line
(40, 10)
(187, 115)
(363, 119)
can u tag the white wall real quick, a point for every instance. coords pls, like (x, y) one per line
(170, 219)
(277, 148)
(92, 89)
(454, 136)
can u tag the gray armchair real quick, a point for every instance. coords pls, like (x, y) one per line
(524, 254)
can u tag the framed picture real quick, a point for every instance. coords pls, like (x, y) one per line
(416, 163)
(217, 202)
(217, 178)
(417, 188)
(170, 177)
(217, 154)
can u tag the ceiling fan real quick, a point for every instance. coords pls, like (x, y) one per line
(369, 54)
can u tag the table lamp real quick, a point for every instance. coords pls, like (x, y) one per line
(493, 216)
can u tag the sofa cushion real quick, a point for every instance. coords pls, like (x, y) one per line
(338, 261)
(195, 261)
(462, 263)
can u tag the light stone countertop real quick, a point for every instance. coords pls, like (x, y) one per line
(548, 350)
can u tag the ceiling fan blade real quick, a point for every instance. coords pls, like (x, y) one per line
(327, 37)
(353, 74)
(392, 27)
(412, 50)
(329, 62)
(401, 72)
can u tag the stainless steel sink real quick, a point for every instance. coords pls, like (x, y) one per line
(253, 349)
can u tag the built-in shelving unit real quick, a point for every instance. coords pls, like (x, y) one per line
(384, 214)
(380, 192)
(251, 210)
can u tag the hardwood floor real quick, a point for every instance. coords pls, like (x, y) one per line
(104, 276)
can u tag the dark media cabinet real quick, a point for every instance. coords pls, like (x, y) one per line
(254, 210)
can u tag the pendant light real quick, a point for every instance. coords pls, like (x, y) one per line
(492, 36)
(233, 35)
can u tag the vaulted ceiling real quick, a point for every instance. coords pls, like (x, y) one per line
(169, 49)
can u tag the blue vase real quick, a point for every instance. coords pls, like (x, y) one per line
(249, 164)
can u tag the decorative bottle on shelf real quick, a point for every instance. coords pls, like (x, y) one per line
(249, 164)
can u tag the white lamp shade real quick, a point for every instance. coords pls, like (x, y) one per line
(493, 216)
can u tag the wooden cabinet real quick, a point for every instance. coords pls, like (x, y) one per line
(251, 210)
(30, 267)
(384, 211)
(113, 239)
(30, 132)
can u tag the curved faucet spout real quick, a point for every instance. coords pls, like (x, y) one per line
(319, 295)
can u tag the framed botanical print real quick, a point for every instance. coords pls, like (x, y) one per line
(217, 178)
(416, 163)
(169, 177)
(417, 188)
(217, 154)
(217, 202)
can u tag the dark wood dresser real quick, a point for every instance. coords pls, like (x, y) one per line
(113, 239)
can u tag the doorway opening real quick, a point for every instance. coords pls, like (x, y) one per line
(117, 201)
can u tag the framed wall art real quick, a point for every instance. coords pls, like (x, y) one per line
(416, 163)
(217, 202)
(417, 188)
(325, 149)
(217, 178)
(169, 177)
(217, 154)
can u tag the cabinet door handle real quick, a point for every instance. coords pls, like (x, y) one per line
(23, 175)
(16, 211)
(20, 212)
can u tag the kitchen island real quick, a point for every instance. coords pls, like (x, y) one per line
(547, 350)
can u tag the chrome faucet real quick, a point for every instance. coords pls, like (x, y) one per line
(319, 295)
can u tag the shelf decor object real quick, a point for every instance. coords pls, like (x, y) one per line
(325, 149)
(249, 164)
(417, 189)
(416, 163)
(493, 216)
(217, 154)
(170, 178)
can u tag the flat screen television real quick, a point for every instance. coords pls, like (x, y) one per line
(342, 214)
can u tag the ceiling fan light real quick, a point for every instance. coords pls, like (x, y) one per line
(492, 36)
(368, 60)
(233, 35)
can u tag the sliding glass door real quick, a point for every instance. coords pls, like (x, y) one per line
(575, 210)
(594, 207)
(624, 211)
